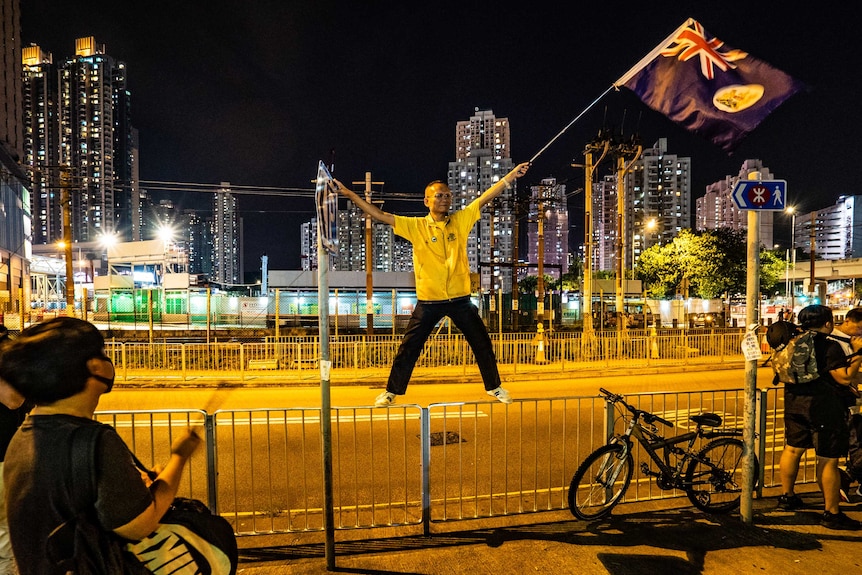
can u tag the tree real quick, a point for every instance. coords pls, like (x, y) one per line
(657, 270)
(570, 281)
(706, 264)
(530, 284)
(772, 266)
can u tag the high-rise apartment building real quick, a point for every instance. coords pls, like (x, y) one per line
(659, 187)
(390, 253)
(15, 246)
(11, 105)
(548, 208)
(200, 246)
(657, 206)
(78, 115)
(308, 245)
(42, 143)
(351, 240)
(225, 237)
(482, 157)
(716, 209)
(836, 234)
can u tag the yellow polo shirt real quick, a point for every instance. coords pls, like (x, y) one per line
(440, 252)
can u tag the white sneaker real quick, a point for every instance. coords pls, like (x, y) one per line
(501, 394)
(384, 399)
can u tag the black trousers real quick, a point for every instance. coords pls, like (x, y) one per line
(425, 316)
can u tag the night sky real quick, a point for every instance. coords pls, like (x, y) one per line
(255, 93)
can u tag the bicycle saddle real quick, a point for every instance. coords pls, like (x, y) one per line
(707, 419)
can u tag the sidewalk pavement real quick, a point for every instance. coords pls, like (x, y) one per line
(645, 538)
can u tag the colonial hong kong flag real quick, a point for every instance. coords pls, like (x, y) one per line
(708, 87)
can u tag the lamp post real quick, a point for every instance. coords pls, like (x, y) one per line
(166, 234)
(108, 242)
(69, 287)
(66, 203)
(648, 226)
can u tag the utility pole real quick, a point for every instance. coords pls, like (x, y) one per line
(516, 231)
(369, 259)
(812, 237)
(621, 239)
(602, 143)
(631, 150)
(540, 283)
(66, 207)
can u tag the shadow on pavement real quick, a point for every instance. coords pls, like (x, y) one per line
(680, 531)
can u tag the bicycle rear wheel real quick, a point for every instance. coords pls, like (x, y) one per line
(714, 479)
(600, 482)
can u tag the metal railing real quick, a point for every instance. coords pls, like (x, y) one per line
(297, 358)
(408, 465)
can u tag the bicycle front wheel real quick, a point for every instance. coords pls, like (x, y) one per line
(600, 482)
(714, 478)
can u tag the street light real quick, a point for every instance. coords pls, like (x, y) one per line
(648, 226)
(108, 241)
(166, 234)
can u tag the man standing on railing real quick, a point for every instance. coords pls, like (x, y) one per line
(442, 274)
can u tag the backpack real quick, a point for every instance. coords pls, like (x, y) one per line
(189, 539)
(794, 361)
(80, 545)
(779, 334)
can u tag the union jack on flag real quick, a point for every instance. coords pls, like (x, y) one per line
(706, 86)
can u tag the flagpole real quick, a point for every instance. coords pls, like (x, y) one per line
(643, 62)
(652, 55)
(563, 131)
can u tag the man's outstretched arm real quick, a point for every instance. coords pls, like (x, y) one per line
(369, 209)
(504, 183)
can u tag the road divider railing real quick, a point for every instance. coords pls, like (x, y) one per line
(298, 358)
(411, 466)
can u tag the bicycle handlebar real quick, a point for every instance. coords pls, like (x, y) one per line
(646, 415)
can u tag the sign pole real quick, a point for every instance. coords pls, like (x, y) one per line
(326, 242)
(754, 195)
(752, 309)
(325, 402)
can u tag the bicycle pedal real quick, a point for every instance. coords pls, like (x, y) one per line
(647, 471)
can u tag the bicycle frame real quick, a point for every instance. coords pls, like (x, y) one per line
(660, 448)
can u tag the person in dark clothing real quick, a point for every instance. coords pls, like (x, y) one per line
(61, 365)
(815, 415)
(852, 326)
(13, 410)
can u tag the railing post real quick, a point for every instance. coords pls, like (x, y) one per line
(760, 433)
(212, 487)
(425, 441)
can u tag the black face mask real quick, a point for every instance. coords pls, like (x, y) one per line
(108, 381)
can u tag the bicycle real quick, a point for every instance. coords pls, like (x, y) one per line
(711, 477)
